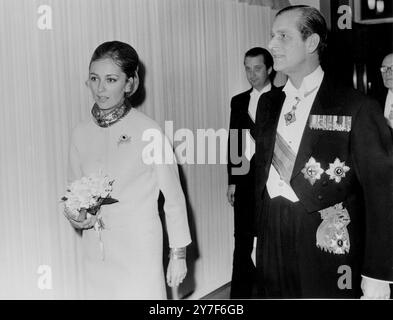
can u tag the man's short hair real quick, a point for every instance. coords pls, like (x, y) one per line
(310, 21)
(258, 51)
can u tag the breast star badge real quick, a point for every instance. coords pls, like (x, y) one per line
(337, 170)
(312, 171)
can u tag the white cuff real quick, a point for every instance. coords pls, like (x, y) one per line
(377, 279)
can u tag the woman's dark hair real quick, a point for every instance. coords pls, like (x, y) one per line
(121, 53)
(310, 21)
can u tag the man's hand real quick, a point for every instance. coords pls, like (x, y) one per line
(375, 289)
(231, 194)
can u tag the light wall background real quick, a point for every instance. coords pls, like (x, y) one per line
(192, 51)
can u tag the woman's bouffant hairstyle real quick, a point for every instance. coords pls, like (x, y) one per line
(121, 53)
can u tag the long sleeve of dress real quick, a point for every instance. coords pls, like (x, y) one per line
(175, 204)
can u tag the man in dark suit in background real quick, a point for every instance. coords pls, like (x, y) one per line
(324, 182)
(387, 76)
(258, 65)
(387, 101)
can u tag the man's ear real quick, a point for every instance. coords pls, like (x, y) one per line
(313, 42)
(269, 71)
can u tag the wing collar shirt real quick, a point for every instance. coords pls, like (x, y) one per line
(292, 133)
(254, 98)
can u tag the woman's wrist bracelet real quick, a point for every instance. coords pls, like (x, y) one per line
(177, 253)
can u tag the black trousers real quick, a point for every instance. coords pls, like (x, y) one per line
(243, 272)
(290, 265)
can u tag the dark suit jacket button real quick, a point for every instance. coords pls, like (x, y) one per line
(320, 197)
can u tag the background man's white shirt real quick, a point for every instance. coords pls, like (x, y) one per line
(252, 110)
(388, 105)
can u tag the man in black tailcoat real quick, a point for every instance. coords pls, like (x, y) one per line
(258, 65)
(324, 182)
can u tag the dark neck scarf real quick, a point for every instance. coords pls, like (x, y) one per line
(107, 117)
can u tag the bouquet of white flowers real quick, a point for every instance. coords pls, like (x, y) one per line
(87, 195)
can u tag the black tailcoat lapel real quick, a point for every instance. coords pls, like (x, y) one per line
(270, 123)
(268, 112)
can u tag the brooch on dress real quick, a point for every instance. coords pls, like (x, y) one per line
(123, 139)
(332, 234)
(312, 171)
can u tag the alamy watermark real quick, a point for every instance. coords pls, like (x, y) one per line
(345, 20)
(44, 21)
(345, 280)
(44, 281)
(207, 146)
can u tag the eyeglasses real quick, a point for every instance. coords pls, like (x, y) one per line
(386, 69)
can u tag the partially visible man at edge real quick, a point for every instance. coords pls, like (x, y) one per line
(387, 76)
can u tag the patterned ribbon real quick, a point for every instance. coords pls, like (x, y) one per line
(98, 226)
(283, 158)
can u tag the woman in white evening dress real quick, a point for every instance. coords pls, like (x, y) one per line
(117, 140)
